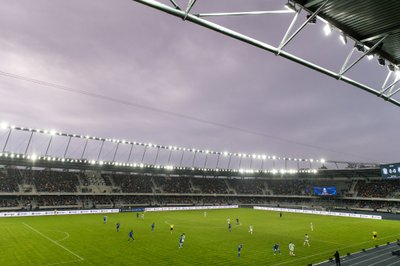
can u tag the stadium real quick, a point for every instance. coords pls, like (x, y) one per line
(71, 198)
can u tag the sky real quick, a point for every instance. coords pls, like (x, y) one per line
(119, 69)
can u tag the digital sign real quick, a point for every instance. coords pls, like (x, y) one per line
(390, 170)
(325, 191)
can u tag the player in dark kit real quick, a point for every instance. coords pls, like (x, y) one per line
(276, 249)
(130, 235)
(230, 227)
(237, 221)
(240, 247)
(117, 226)
(152, 226)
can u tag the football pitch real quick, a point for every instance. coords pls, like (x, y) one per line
(86, 240)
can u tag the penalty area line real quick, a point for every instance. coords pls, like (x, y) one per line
(54, 242)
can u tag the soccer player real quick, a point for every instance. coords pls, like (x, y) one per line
(181, 240)
(230, 227)
(142, 216)
(117, 226)
(276, 249)
(205, 214)
(171, 228)
(237, 221)
(240, 247)
(291, 249)
(229, 220)
(105, 219)
(130, 235)
(280, 214)
(137, 215)
(152, 226)
(374, 235)
(311, 227)
(306, 240)
(251, 229)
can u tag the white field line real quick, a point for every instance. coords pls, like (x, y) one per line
(54, 242)
(62, 262)
(64, 238)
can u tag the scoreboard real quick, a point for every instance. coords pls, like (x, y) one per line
(390, 170)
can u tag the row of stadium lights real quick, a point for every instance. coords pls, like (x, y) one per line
(172, 148)
(34, 157)
(328, 28)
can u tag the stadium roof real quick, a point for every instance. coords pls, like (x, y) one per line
(365, 21)
(371, 25)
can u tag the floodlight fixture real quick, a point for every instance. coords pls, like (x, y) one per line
(327, 29)
(3, 125)
(313, 20)
(34, 157)
(381, 60)
(360, 47)
(53, 132)
(370, 56)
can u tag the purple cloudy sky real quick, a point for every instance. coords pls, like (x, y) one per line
(186, 85)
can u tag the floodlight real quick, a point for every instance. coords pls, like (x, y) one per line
(360, 47)
(381, 60)
(322, 160)
(327, 29)
(370, 56)
(313, 20)
(3, 125)
(53, 132)
(34, 157)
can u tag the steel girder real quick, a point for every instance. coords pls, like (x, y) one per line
(384, 92)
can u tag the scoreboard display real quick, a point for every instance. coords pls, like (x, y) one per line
(390, 170)
(325, 191)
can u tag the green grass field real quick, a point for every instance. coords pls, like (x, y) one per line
(85, 240)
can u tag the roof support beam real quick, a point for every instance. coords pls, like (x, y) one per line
(246, 13)
(313, 15)
(261, 45)
(361, 57)
(289, 29)
(189, 8)
(175, 4)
